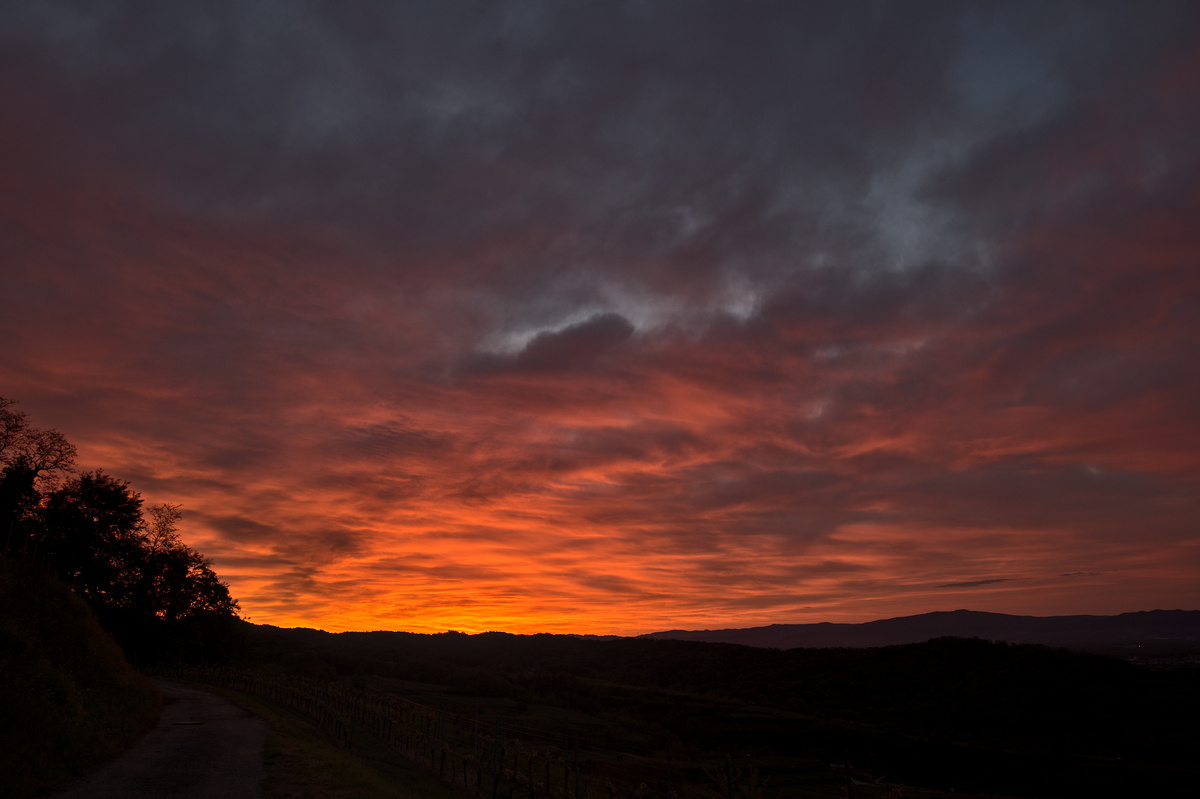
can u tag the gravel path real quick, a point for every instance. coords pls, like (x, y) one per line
(202, 747)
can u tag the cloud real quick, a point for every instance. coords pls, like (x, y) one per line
(975, 583)
(621, 316)
(576, 347)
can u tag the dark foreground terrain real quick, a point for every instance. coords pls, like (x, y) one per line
(69, 699)
(967, 714)
(202, 747)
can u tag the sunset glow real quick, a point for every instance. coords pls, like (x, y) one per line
(610, 319)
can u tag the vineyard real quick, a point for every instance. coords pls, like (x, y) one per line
(488, 756)
(497, 716)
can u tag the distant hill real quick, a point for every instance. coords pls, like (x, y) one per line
(1146, 633)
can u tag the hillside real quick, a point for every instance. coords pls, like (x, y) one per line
(68, 697)
(1145, 634)
(996, 717)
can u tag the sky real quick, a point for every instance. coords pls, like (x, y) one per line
(605, 317)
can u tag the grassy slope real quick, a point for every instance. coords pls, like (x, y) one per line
(68, 697)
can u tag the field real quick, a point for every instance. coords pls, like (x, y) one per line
(561, 717)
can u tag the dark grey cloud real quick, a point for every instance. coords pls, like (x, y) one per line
(576, 346)
(975, 583)
(660, 150)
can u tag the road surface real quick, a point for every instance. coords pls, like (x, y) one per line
(202, 747)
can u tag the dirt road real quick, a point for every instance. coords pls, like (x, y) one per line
(202, 747)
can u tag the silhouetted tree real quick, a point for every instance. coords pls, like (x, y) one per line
(29, 456)
(152, 591)
(18, 499)
(177, 581)
(43, 451)
(13, 423)
(93, 533)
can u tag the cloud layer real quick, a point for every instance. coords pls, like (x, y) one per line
(620, 317)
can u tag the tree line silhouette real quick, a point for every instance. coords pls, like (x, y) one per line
(159, 597)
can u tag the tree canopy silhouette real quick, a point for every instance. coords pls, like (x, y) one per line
(29, 456)
(152, 591)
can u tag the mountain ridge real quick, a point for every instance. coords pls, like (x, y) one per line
(1156, 631)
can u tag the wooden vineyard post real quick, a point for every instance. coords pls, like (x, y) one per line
(496, 762)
